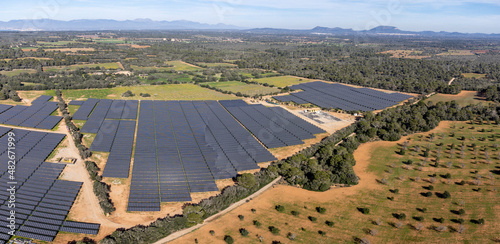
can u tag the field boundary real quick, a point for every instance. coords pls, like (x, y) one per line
(181, 233)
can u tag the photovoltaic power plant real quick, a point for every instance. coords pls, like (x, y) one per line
(35, 116)
(334, 95)
(274, 128)
(42, 201)
(184, 146)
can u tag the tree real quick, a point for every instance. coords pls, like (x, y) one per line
(228, 239)
(244, 232)
(246, 180)
(194, 214)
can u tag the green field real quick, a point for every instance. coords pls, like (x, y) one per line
(158, 92)
(141, 68)
(464, 98)
(76, 66)
(181, 66)
(58, 43)
(473, 75)
(17, 72)
(110, 40)
(282, 81)
(246, 89)
(401, 192)
(218, 65)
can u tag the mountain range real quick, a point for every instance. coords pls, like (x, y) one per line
(148, 24)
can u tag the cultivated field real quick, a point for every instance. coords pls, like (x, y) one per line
(158, 92)
(71, 50)
(76, 66)
(406, 54)
(473, 75)
(463, 98)
(218, 65)
(282, 81)
(246, 89)
(456, 53)
(183, 66)
(17, 72)
(390, 204)
(141, 68)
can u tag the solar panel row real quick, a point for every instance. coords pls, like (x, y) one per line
(86, 108)
(4, 107)
(264, 127)
(41, 99)
(97, 116)
(344, 97)
(76, 102)
(118, 164)
(35, 116)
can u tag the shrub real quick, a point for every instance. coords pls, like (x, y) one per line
(295, 213)
(427, 194)
(246, 180)
(244, 232)
(322, 233)
(373, 232)
(241, 217)
(446, 194)
(461, 211)
(430, 187)
(439, 220)
(395, 191)
(321, 210)
(400, 216)
(212, 232)
(364, 210)
(418, 218)
(313, 219)
(280, 208)
(228, 239)
(291, 236)
(253, 210)
(423, 210)
(257, 223)
(274, 230)
(329, 223)
(128, 94)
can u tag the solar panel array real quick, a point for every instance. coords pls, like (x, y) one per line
(86, 108)
(329, 95)
(118, 164)
(41, 99)
(35, 116)
(42, 201)
(104, 109)
(182, 147)
(76, 103)
(274, 129)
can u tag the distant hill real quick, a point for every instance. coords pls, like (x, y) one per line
(148, 24)
(108, 24)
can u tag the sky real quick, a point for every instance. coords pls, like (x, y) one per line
(414, 15)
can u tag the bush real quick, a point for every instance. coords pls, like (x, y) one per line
(244, 232)
(321, 210)
(430, 187)
(274, 230)
(280, 208)
(246, 180)
(291, 236)
(241, 217)
(364, 210)
(445, 195)
(295, 213)
(439, 220)
(257, 223)
(322, 233)
(145, 95)
(313, 219)
(418, 218)
(212, 232)
(228, 239)
(427, 194)
(253, 210)
(329, 223)
(461, 211)
(400, 216)
(128, 94)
